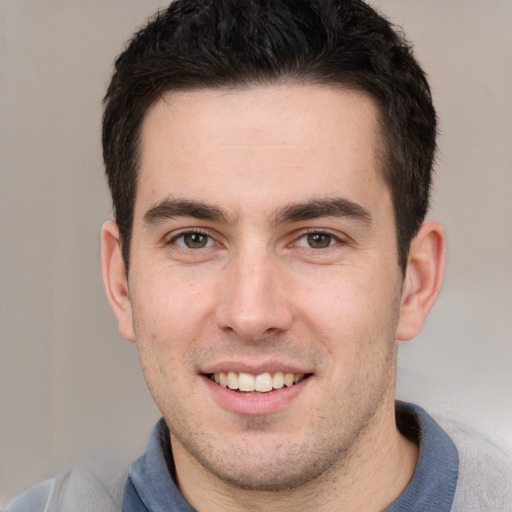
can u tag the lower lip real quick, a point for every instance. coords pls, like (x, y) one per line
(254, 405)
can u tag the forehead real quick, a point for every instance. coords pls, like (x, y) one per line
(300, 140)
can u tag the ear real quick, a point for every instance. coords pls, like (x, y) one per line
(423, 279)
(115, 279)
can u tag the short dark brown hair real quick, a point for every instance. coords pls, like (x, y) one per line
(198, 44)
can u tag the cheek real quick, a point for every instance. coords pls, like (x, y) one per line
(170, 304)
(162, 322)
(347, 298)
(165, 329)
(353, 314)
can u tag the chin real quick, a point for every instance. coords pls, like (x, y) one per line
(270, 467)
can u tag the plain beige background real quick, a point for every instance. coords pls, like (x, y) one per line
(69, 386)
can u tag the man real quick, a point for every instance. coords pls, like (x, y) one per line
(270, 166)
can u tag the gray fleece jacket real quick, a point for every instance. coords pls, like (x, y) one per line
(484, 483)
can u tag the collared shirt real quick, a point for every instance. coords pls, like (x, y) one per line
(151, 486)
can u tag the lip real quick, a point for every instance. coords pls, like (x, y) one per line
(255, 369)
(255, 405)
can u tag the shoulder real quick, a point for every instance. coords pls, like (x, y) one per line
(485, 472)
(34, 499)
(65, 492)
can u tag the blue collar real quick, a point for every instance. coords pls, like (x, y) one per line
(433, 484)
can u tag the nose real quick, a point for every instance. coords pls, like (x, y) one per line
(254, 304)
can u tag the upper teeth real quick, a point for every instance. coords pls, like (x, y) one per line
(262, 382)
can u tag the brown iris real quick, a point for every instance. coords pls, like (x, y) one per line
(195, 240)
(319, 240)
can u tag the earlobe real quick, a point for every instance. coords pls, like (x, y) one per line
(115, 279)
(423, 279)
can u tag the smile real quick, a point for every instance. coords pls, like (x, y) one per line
(261, 383)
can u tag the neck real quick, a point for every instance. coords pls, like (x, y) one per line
(370, 477)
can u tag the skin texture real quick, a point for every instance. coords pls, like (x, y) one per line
(223, 275)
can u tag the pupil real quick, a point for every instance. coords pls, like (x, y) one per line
(319, 241)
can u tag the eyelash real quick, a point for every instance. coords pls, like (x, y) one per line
(333, 239)
(191, 232)
(210, 241)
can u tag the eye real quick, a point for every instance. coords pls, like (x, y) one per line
(193, 240)
(317, 240)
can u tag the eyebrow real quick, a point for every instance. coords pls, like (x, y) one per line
(329, 207)
(168, 209)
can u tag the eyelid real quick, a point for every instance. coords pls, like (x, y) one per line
(171, 238)
(337, 237)
(190, 231)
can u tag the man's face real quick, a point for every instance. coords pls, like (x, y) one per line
(264, 245)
